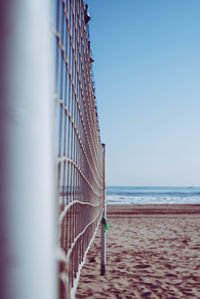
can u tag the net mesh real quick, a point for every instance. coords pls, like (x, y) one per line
(80, 157)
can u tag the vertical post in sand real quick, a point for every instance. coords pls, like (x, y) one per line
(27, 157)
(103, 233)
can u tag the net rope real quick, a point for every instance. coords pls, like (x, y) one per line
(79, 149)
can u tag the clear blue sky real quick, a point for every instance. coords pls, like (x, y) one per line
(147, 73)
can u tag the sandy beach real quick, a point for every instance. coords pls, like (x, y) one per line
(153, 251)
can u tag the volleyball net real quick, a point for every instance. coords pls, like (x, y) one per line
(80, 189)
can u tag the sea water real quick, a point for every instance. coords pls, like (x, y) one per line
(152, 195)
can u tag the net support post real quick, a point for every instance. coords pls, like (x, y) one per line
(27, 204)
(103, 232)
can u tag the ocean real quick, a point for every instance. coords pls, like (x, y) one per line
(152, 195)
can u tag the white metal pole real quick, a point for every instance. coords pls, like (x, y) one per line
(4, 289)
(103, 233)
(29, 229)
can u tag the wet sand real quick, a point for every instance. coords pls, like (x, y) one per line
(153, 251)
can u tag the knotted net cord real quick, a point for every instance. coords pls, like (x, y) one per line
(80, 157)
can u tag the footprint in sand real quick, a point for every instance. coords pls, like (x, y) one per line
(142, 266)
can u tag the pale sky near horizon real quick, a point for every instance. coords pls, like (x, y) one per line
(147, 72)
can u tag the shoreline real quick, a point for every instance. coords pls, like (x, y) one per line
(152, 209)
